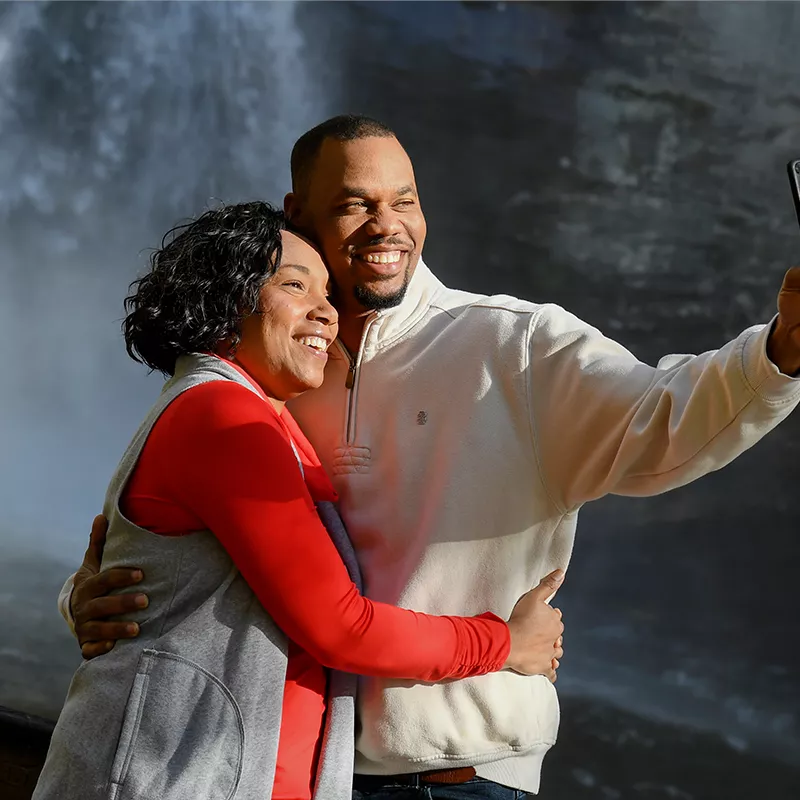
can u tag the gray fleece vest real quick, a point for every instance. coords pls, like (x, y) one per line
(191, 709)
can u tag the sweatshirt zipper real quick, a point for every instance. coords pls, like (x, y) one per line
(351, 381)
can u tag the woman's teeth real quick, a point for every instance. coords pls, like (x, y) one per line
(317, 342)
(383, 258)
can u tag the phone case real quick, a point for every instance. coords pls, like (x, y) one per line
(793, 168)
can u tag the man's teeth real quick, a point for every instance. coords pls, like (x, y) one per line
(317, 342)
(383, 258)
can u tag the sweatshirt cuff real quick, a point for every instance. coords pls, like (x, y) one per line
(763, 377)
(64, 597)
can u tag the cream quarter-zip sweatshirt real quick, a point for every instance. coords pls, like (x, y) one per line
(462, 438)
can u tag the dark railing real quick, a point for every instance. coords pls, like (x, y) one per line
(23, 746)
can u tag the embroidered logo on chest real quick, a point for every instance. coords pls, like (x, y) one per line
(422, 418)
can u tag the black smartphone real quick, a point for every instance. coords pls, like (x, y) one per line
(793, 168)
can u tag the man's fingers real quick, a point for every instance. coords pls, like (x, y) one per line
(105, 581)
(97, 541)
(92, 649)
(114, 605)
(789, 299)
(106, 631)
(549, 584)
(551, 675)
(791, 281)
(558, 653)
(108, 606)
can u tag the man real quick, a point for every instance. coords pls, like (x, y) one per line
(445, 415)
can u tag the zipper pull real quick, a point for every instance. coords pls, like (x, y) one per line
(351, 375)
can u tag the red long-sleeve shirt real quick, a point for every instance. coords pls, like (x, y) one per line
(220, 458)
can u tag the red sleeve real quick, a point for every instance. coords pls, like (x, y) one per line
(227, 459)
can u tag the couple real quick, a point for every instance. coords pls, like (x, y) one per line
(462, 434)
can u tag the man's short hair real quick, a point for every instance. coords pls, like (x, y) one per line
(344, 128)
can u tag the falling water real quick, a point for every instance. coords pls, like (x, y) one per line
(116, 120)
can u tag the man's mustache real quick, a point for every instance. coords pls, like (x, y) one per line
(391, 241)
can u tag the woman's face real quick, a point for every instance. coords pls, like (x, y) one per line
(283, 347)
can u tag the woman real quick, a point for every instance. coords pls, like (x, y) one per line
(221, 500)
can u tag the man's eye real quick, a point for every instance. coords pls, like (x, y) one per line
(355, 204)
(405, 203)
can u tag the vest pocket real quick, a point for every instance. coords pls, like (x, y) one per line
(182, 734)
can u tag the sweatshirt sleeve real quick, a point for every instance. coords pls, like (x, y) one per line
(231, 464)
(604, 422)
(64, 597)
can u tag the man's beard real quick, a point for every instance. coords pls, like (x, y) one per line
(372, 301)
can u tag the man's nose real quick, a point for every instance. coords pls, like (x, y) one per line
(385, 222)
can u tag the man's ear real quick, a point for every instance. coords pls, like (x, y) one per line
(296, 215)
(291, 207)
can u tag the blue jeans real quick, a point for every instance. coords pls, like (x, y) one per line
(475, 789)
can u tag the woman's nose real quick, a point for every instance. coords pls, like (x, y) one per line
(325, 313)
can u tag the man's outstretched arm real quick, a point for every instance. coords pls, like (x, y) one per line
(87, 607)
(604, 422)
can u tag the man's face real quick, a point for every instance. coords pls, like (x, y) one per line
(361, 208)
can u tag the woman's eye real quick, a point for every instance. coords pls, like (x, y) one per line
(295, 284)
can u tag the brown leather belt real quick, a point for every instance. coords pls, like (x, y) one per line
(458, 775)
(369, 783)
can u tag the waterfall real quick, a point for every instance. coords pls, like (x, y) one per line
(117, 120)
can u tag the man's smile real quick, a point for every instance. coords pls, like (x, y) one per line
(382, 261)
(382, 258)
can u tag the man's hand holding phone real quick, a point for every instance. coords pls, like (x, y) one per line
(783, 346)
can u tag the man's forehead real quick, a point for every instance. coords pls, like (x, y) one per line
(370, 163)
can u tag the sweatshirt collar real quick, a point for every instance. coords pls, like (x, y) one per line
(389, 325)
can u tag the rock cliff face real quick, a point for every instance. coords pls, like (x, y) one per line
(624, 160)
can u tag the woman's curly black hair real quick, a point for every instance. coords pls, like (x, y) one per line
(203, 281)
